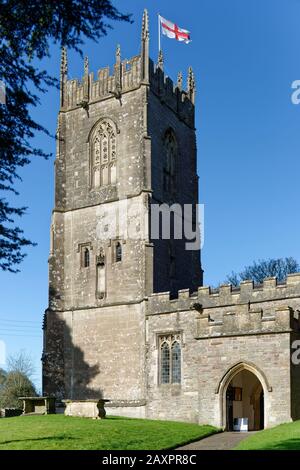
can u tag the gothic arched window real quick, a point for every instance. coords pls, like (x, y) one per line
(104, 154)
(176, 363)
(170, 359)
(165, 363)
(170, 159)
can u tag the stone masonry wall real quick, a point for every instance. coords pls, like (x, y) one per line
(295, 377)
(96, 353)
(129, 119)
(125, 281)
(248, 326)
(187, 265)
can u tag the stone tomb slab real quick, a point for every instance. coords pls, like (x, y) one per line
(38, 405)
(85, 408)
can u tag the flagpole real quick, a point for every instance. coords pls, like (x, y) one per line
(159, 45)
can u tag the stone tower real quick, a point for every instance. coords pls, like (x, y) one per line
(125, 143)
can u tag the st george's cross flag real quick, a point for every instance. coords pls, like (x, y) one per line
(173, 31)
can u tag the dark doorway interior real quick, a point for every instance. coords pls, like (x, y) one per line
(245, 399)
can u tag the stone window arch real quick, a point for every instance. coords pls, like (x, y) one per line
(165, 362)
(170, 359)
(170, 163)
(103, 145)
(176, 362)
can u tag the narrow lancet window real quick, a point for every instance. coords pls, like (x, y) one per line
(118, 252)
(165, 363)
(86, 258)
(101, 276)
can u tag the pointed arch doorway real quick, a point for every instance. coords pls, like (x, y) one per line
(242, 395)
(245, 399)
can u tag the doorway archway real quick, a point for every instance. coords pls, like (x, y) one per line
(245, 399)
(243, 392)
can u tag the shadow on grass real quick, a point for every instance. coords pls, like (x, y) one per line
(288, 444)
(50, 438)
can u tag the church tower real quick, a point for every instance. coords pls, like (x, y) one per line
(126, 145)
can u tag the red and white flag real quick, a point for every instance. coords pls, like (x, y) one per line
(173, 31)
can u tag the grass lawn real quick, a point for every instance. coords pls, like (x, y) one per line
(283, 437)
(63, 432)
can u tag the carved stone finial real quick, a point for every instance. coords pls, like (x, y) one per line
(63, 77)
(145, 25)
(160, 61)
(191, 86)
(145, 48)
(118, 75)
(86, 65)
(179, 81)
(118, 55)
(64, 62)
(118, 51)
(190, 79)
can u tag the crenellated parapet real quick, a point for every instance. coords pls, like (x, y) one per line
(246, 309)
(247, 292)
(125, 76)
(172, 94)
(248, 321)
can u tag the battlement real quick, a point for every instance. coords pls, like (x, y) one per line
(172, 94)
(246, 309)
(105, 85)
(128, 75)
(247, 320)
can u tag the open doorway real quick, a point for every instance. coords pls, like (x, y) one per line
(245, 399)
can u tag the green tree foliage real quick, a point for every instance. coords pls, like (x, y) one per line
(16, 382)
(26, 31)
(261, 269)
(2, 377)
(16, 385)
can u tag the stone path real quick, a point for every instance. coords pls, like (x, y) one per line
(221, 441)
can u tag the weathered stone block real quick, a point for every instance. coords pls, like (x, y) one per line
(85, 408)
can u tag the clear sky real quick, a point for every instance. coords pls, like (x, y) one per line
(245, 54)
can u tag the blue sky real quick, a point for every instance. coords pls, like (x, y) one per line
(245, 55)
